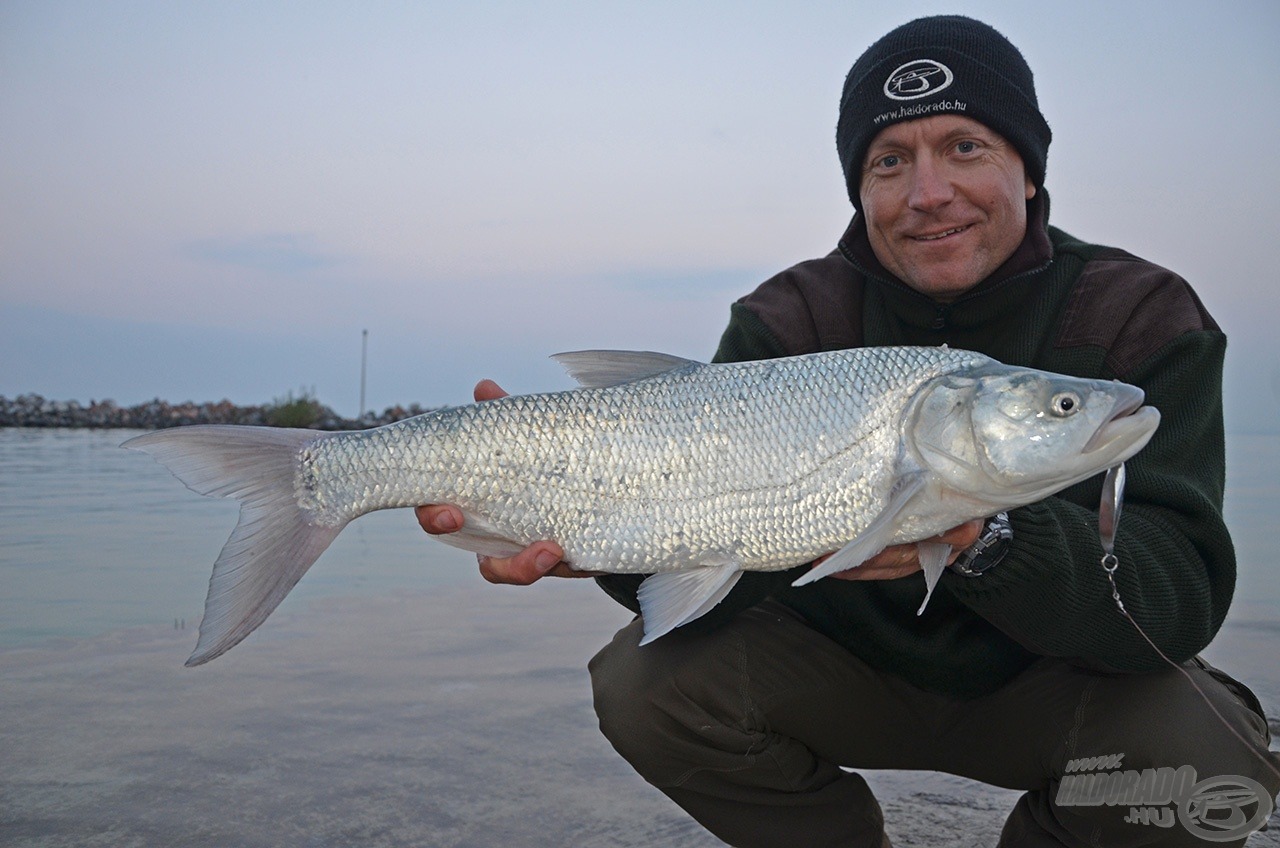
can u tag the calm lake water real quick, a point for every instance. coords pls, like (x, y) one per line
(97, 538)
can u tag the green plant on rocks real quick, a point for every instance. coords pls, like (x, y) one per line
(290, 411)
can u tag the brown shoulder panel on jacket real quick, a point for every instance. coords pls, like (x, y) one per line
(1130, 307)
(813, 306)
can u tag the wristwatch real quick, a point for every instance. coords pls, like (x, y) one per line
(986, 553)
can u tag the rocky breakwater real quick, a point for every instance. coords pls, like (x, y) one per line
(31, 410)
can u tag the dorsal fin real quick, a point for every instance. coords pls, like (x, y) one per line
(599, 369)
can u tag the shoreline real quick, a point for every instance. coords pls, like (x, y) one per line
(36, 411)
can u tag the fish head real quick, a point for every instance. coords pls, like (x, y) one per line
(1012, 436)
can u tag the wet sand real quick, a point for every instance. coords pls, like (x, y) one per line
(458, 718)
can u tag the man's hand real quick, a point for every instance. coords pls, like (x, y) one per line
(533, 563)
(901, 560)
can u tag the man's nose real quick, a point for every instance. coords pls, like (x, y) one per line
(930, 186)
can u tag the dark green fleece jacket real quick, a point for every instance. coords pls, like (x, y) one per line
(1061, 305)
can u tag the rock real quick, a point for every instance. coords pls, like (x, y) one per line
(32, 410)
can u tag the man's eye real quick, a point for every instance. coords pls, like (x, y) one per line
(967, 146)
(889, 161)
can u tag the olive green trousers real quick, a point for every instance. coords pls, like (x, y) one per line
(747, 729)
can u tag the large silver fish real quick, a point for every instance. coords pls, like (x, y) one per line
(689, 472)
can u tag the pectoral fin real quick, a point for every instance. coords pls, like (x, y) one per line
(933, 559)
(672, 598)
(873, 540)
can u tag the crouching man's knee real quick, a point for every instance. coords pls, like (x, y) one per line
(622, 688)
(674, 707)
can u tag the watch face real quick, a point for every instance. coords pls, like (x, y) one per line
(988, 550)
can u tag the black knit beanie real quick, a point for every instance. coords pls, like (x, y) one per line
(938, 65)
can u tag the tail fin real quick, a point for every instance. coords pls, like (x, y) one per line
(273, 544)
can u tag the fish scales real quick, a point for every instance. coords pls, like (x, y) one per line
(686, 472)
(647, 476)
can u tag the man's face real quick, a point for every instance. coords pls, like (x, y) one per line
(945, 202)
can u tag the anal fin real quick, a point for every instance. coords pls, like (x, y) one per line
(481, 536)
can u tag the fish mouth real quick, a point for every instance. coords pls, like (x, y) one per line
(1128, 427)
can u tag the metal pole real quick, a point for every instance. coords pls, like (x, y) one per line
(364, 358)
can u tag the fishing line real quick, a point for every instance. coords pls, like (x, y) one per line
(1108, 522)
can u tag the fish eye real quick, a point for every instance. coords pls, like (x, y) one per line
(1064, 404)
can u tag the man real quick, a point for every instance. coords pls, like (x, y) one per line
(1022, 667)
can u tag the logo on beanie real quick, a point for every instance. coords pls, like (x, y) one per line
(917, 79)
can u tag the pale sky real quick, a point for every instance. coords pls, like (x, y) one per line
(208, 200)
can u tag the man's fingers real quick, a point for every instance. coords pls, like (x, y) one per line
(904, 558)
(487, 390)
(891, 563)
(900, 560)
(533, 563)
(439, 518)
(962, 536)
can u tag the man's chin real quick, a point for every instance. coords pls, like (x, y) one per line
(943, 288)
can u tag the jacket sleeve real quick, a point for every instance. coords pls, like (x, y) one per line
(1177, 565)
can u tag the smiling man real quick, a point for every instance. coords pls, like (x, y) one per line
(945, 203)
(1022, 673)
